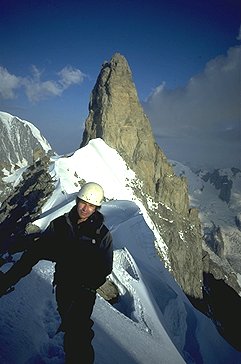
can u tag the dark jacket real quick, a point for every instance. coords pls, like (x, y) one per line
(82, 252)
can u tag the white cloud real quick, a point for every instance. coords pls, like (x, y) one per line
(208, 108)
(8, 84)
(210, 101)
(70, 76)
(36, 88)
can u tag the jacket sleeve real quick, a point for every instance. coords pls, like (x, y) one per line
(29, 258)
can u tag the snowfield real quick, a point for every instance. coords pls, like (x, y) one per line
(153, 321)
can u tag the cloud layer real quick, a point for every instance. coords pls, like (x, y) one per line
(35, 87)
(8, 84)
(206, 110)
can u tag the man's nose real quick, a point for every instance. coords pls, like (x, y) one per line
(84, 208)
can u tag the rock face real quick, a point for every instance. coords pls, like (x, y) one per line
(21, 208)
(21, 145)
(116, 116)
(22, 142)
(221, 183)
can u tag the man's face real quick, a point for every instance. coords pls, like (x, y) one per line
(85, 209)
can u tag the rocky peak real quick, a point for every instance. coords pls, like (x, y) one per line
(117, 117)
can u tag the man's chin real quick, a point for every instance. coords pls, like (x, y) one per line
(83, 216)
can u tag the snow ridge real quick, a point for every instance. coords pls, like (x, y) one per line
(153, 321)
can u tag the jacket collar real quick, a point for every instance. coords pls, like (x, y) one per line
(95, 221)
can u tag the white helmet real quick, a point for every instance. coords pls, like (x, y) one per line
(91, 192)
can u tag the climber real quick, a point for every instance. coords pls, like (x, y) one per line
(81, 246)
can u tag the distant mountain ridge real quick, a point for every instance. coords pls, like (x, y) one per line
(222, 179)
(20, 139)
(21, 145)
(217, 195)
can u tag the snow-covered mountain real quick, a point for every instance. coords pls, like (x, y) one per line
(21, 144)
(153, 321)
(20, 139)
(217, 195)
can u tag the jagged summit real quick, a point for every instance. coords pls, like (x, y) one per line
(119, 63)
(114, 103)
(114, 107)
(116, 116)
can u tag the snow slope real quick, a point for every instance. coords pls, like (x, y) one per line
(9, 124)
(152, 322)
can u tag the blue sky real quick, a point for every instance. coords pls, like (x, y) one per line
(52, 52)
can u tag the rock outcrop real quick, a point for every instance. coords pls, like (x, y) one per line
(116, 116)
(23, 206)
(22, 142)
(221, 183)
(21, 145)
